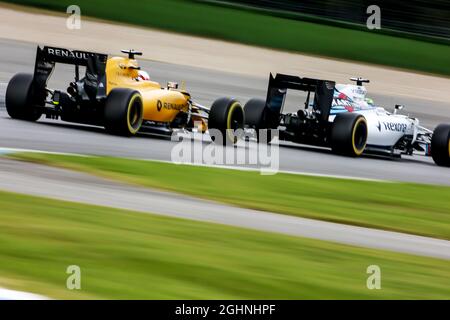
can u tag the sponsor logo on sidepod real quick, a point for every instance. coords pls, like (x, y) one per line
(169, 106)
(392, 126)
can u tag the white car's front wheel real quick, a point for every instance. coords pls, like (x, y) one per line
(440, 145)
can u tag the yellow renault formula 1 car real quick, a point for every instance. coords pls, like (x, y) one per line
(115, 94)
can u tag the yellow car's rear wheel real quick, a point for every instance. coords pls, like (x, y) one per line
(18, 98)
(123, 112)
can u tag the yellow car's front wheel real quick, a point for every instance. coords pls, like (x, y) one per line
(226, 117)
(123, 112)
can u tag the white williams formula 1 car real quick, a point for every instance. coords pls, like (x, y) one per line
(388, 133)
(341, 117)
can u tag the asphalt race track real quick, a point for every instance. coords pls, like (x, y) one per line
(205, 86)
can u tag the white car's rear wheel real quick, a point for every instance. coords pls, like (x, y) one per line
(440, 145)
(349, 134)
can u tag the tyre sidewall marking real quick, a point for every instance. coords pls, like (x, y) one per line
(448, 138)
(233, 106)
(130, 104)
(355, 127)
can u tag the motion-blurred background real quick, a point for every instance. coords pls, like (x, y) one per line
(138, 225)
(430, 18)
(413, 35)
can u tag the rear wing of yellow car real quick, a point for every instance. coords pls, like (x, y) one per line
(95, 63)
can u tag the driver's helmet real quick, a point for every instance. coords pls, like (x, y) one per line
(369, 101)
(143, 76)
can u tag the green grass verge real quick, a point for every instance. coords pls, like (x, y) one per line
(260, 29)
(126, 255)
(411, 208)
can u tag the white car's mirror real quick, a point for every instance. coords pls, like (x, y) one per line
(398, 107)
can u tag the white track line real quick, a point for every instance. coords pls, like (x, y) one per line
(239, 168)
(6, 294)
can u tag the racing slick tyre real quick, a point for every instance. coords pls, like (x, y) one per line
(254, 113)
(227, 116)
(123, 112)
(18, 98)
(349, 134)
(440, 145)
(255, 117)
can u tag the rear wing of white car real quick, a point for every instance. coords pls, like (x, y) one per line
(323, 91)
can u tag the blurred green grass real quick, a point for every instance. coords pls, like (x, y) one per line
(404, 207)
(126, 255)
(256, 28)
